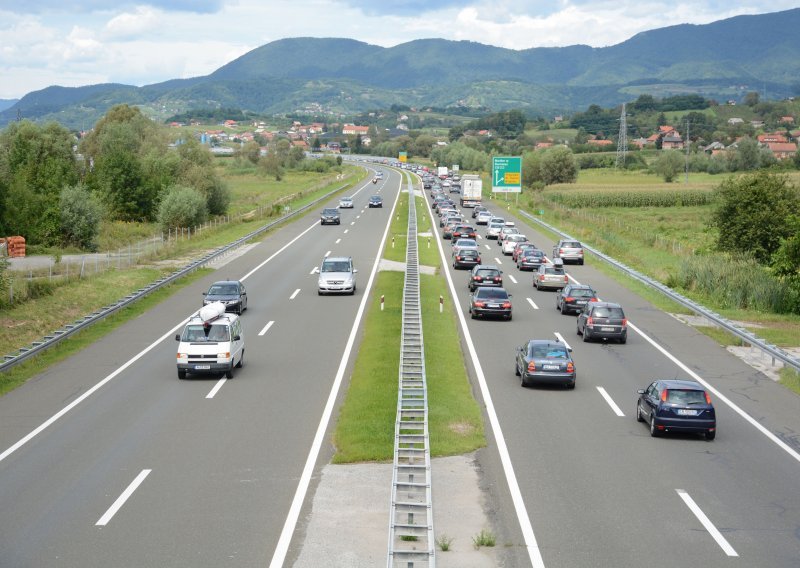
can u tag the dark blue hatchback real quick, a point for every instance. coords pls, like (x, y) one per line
(677, 406)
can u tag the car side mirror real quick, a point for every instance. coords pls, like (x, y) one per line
(640, 391)
(355, 270)
(177, 337)
(237, 337)
(204, 293)
(510, 295)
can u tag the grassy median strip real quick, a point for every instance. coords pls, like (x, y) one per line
(365, 428)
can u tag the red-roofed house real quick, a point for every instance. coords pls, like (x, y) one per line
(771, 137)
(672, 141)
(665, 129)
(787, 119)
(600, 143)
(353, 129)
(782, 150)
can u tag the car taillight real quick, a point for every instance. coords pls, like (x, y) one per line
(506, 304)
(541, 278)
(594, 300)
(568, 299)
(589, 321)
(498, 279)
(560, 251)
(624, 322)
(458, 257)
(664, 395)
(479, 304)
(565, 278)
(570, 367)
(708, 398)
(532, 366)
(478, 278)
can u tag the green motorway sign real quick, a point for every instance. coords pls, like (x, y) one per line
(507, 174)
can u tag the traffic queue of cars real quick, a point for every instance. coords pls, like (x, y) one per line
(666, 405)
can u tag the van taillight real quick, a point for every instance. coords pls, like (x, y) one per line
(664, 394)
(708, 398)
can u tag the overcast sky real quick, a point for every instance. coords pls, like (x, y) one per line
(84, 42)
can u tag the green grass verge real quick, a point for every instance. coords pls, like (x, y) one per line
(790, 379)
(398, 232)
(18, 374)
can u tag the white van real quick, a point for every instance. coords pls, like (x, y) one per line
(211, 342)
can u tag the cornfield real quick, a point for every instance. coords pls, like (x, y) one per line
(637, 198)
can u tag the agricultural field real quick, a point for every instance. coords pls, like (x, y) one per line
(619, 213)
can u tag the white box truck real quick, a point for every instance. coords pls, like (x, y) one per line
(471, 190)
(442, 172)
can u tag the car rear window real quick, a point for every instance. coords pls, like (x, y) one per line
(486, 273)
(582, 293)
(549, 352)
(608, 313)
(571, 244)
(492, 293)
(686, 396)
(554, 270)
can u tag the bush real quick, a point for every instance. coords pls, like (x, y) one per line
(181, 207)
(80, 217)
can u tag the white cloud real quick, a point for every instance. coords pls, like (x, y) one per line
(142, 20)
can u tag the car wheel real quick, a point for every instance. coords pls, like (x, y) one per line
(623, 339)
(586, 336)
(516, 369)
(229, 373)
(580, 262)
(654, 432)
(578, 329)
(571, 386)
(639, 413)
(181, 374)
(711, 434)
(472, 314)
(559, 307)
(523, 383)
(508, 317)
(241, 361)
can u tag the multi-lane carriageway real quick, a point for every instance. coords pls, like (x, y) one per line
(109, 460)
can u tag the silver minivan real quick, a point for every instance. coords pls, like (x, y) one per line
(569, 250)
(337, 276)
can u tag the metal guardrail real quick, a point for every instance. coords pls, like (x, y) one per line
(411, 540)
(746, 336)
(53, 338)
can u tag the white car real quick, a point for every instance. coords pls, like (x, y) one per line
(494, 229)
(511, 241)
(346, 203)
(464, 244)
(483, 217)
(504, 232)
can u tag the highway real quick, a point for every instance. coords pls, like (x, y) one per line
(150, 470)
(594, 487)
(107, 459)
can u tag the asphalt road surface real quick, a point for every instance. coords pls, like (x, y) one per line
(150, 470)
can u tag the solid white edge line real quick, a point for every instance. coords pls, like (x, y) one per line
(562, 340)
(753, 422)
(128, 363)
(89, 392)
(282, 548)
(294, 294)
(514, 280)
(617, 410)
(216, 387)
(781, 444)
(112, 510)
(706, 522)
(505, 458)
(532, 303)
(266, 327)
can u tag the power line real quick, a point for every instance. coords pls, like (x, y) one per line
(622, 140)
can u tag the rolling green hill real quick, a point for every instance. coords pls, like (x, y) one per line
(720, 60)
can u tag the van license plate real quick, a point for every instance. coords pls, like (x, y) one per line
(202, 367)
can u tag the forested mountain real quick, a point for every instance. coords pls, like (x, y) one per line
(721, 60)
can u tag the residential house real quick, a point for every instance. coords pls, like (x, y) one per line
(672, 141)
(600, 143)
(787, 119)
(757, 123)
(354, 130)
(782, 150)
(771, 137)
(714, 146)
(734, 121)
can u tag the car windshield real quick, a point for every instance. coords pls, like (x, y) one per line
(195, 333)
(686, 396)
(469, 252)
(516, 238)
(491, 294)
(533, 252)
(223, 290)
(335, 266)
(608, 313)
(330, 211)
(549, 352)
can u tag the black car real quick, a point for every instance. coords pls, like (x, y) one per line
(530, 259)
(376, 201)
(677, 406)
(230, 292)
(330, 215)
(572, 297)
(466, 258)
(488, 301)
(545, 361)
(602, 320)
(485, 275)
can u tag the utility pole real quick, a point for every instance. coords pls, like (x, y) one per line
(687, 151)
(622, 140)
